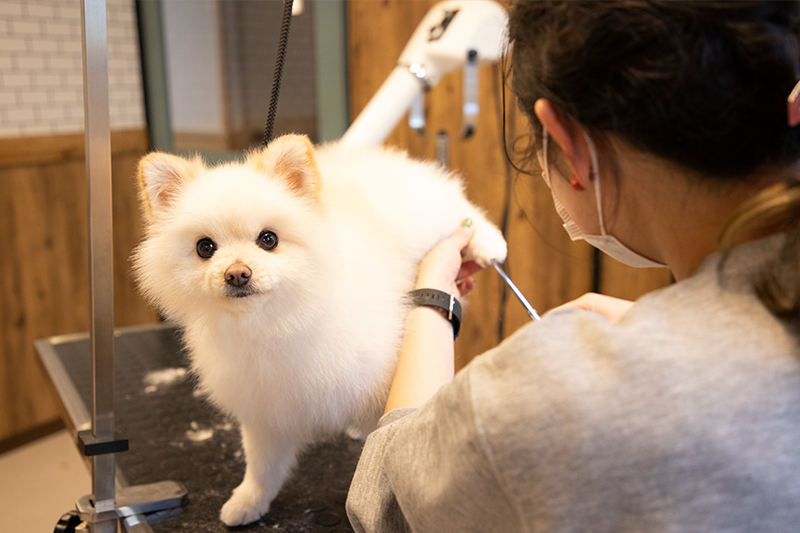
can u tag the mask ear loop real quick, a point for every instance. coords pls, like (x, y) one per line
(545, 137)
(596, 178)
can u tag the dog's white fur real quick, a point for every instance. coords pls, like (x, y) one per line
(310, 351)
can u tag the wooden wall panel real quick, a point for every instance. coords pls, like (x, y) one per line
(548, 268)
(545, 264)
(44, 264)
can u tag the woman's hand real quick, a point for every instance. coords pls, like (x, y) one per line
(426, 360)
(608, 306)
(444, 269)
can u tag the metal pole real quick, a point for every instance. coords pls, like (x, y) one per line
(98, 172)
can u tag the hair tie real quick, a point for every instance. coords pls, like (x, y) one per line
(793, 106)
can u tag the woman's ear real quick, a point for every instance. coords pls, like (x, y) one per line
(567, 134)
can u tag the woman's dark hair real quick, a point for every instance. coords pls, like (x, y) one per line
(703, 84)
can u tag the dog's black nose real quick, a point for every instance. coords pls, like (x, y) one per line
(238, 275)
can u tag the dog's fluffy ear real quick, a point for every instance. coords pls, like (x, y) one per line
(162, 177)
(291, 159)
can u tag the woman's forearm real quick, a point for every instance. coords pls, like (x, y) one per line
(426, 359)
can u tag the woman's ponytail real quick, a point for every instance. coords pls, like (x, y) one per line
(774, 210)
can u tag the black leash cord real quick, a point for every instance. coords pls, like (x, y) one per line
(276, 78)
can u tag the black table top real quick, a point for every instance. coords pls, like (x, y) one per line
(175, 434)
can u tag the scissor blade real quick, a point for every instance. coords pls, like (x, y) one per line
(528, 307)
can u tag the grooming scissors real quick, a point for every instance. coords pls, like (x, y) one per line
(528, 307)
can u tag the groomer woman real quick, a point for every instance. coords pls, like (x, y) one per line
(668, 133)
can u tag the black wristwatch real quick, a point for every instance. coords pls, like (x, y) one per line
(439, 300)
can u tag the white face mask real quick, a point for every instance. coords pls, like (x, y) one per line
(605, 242)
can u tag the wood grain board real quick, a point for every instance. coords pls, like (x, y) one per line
(44, 263)
(44, 258)
(547, 267)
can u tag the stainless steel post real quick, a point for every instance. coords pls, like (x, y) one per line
(98, 172)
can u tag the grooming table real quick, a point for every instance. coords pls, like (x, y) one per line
(177, 435)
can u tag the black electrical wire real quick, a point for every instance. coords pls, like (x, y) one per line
(276, 78)
(498, 87)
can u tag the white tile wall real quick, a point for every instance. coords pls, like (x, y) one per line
(41, 76)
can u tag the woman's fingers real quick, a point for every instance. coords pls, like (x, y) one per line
(608, 306)
(440, 268)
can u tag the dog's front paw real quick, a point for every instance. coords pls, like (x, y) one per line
(487, 245)
(248, 504)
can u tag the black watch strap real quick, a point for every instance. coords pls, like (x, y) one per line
(440, 300)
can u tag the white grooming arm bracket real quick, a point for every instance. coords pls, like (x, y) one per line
(440, 44)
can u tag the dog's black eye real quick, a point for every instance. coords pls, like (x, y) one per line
(206, 248)
(267, 240)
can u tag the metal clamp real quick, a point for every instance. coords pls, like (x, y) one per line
(421, 73)
(90, 446)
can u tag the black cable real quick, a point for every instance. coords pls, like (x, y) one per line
(499, 87)
(276, 78)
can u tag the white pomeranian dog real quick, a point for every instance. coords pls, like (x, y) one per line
(288, 274)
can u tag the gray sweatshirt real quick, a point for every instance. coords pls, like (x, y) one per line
(684, 416)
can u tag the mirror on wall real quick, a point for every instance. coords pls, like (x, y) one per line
(209, 68)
